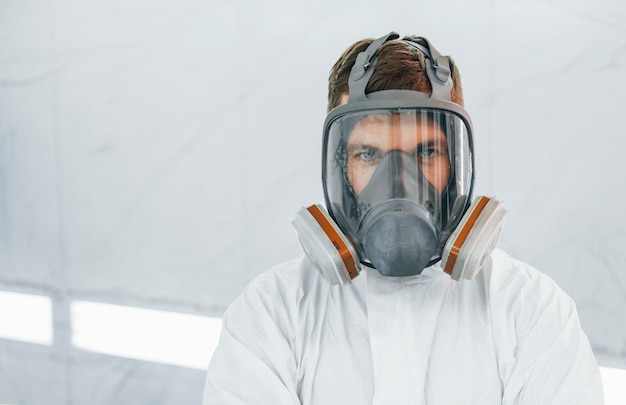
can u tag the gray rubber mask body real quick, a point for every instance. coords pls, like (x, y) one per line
(398, 235)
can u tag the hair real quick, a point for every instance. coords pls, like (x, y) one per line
(400, 66)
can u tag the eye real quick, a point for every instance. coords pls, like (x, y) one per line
(430, 151)
(365, 154)
(426, 152)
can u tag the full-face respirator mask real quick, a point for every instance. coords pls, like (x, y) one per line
(398, 173)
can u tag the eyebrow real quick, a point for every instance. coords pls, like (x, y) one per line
(360, 145)
(430, 143)
(433, 143)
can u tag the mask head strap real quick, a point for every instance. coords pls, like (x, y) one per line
(364, 67)
(437, 69)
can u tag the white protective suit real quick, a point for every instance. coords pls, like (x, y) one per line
(510, 336)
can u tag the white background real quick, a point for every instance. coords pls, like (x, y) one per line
(153, 154)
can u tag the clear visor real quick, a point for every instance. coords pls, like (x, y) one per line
(420, 154)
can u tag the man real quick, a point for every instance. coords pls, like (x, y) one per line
(400, 299)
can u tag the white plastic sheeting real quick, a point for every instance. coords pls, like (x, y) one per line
(153, 154)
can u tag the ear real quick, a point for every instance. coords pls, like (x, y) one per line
(343, 99)
(457, 86)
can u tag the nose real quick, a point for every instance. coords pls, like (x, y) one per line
(396, 179)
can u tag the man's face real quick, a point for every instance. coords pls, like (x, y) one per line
(377, 134)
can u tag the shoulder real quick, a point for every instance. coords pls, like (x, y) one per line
(521, 297)
(543, 354)
(287, 279)
(509, 277)
(277, 291)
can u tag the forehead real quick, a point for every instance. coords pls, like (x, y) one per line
(417, 126)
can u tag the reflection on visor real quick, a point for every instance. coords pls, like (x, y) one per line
(419, 136)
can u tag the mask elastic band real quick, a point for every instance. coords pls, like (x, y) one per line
(438, 70)
(364, 67)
